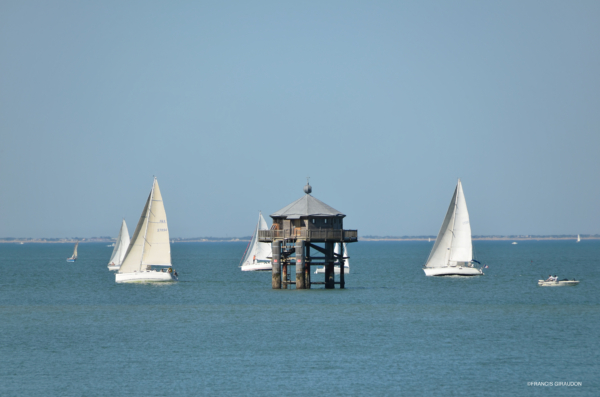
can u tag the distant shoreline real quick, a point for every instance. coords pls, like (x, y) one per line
(481, 238)
(247, 239)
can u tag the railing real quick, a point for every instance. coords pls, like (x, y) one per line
(268, 236)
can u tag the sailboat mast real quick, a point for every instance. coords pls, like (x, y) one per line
(147, 222)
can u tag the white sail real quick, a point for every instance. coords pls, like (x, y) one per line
(578, 238)
(75, 251)
(441, 248)
(257, 251)
(453, 243)
(150, 242)
(336, 250)
(462, 248)
(336, 267)
(121, 246)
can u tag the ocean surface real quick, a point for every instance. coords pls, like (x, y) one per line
(66, 329)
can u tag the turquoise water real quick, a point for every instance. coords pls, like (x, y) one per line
(68, 330)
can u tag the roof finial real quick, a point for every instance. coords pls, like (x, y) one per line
(307, 188)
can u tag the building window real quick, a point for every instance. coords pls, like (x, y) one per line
(313, 220)
(325, 220)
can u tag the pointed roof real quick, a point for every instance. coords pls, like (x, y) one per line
(306, 206)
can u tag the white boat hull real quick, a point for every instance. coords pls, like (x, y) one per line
(114, 267)
(150, 276)
(336, 270)
(452, 271)
(565, 283)
(257, 267)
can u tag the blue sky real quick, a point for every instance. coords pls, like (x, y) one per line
(232, 105)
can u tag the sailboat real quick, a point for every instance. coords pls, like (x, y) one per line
(258, 255)
(74, 257)
(578, 238)
(336, 267)
(120, 249)
(452, 253)
(149, 245)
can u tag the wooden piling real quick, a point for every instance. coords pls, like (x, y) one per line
(307, 267)
(276, 265)
(329, 263)
(284, 274)
(342, 268)
(300, 264)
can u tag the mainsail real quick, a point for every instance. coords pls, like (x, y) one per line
(336, 250)
(75, 251)
(150, 242)
(121, 246)
(453, 243)
(256, 250)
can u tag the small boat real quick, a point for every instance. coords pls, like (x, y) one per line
(578, 239)
(74, 257)
(149, 248)
(118, 254)
(560, 283)
(452, 253)
(257, 256)
(336, 267)
(514, 243)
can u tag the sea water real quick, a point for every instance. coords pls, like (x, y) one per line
(67, 329)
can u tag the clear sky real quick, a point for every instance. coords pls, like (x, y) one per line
(384, 104)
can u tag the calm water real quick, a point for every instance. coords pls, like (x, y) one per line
(68, 330)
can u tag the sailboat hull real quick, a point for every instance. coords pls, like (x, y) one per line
(257, 267)
(71, 260)
(151, 276)
(336, 270)
(114, 267)
(452, 271)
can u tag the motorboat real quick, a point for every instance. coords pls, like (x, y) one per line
(558, 283)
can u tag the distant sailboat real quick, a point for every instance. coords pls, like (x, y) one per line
(336, 267)
(149, 245)
(429, 240)
(121, 246)
(578, 238)
(258, 255)
(452, 253)
(74, 257)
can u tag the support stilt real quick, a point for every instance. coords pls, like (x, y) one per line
(342, 268)
(300, 264)
(276, 265)
(329, 271)
(284, 273)
(307, 267)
